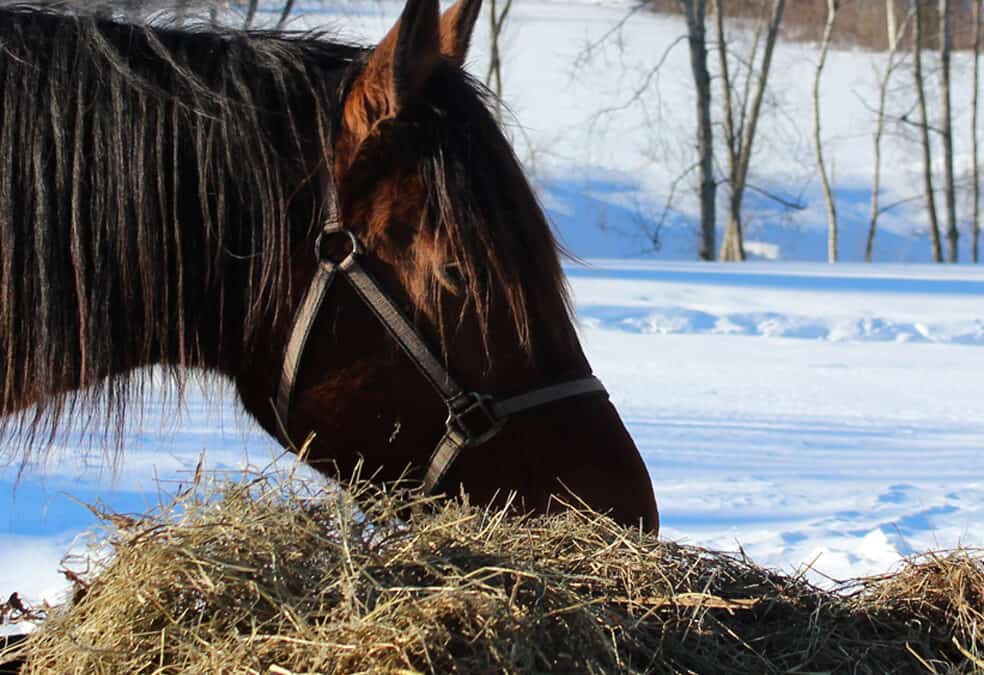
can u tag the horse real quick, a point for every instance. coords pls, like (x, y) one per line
(343, 232)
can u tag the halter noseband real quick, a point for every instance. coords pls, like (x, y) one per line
(473, 418)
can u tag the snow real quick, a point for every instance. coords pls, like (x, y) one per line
(804, 435)
(817, 415)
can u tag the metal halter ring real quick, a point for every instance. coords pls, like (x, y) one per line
(353, 240)
(473, 419)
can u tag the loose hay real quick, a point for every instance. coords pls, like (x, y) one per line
(266, 577)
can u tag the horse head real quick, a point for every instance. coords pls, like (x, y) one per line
(433, 203)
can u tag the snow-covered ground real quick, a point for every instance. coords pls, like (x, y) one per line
(809, 414)
(803, 413)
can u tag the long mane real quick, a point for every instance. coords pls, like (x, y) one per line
(149, 177)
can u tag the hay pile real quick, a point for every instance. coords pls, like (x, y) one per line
(266, 577)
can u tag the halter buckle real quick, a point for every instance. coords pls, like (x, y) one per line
(470, 416)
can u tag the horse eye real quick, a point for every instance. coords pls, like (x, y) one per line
(449, 276)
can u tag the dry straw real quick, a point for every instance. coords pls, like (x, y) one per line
(273, 576)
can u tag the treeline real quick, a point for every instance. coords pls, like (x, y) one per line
(860, 22)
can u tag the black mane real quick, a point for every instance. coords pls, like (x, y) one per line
(149, 177)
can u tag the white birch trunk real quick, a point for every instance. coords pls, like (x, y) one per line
(949, 183)
(828, 194)
(927, 152)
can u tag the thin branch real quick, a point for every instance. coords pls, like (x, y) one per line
(900, 202)
(647, 81)
(587, 52)
(779, 199)
(668, 204)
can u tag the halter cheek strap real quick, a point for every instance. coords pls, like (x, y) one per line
(473, 418)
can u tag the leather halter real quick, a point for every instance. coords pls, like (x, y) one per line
(473, 418)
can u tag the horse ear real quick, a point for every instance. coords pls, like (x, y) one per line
(401, 64)
(457, 26)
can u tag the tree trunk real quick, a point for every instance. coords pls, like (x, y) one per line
(250, 13)
(828, 195)
(894, 38)
(285, 14)
(891, 23)
(493, 78)
(934, 226)
(975, 225)
(775, 20)
(732, 248)
(740, 146)
(949, 187)
(696, 12)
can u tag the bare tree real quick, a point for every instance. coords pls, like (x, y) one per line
(498, 14)
(740, 125)
(696, 13)
(891, 23)
(949, 187)
(832, 7)
(895, 32)
(917, 45)
(652, 223)
(975, 225)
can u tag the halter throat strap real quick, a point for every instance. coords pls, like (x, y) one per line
(473, 418)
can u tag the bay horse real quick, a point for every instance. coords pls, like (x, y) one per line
(343, 232)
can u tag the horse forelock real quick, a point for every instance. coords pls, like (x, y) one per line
(151, 180)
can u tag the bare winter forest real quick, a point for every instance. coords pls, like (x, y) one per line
(731, 44)
(920, 111)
